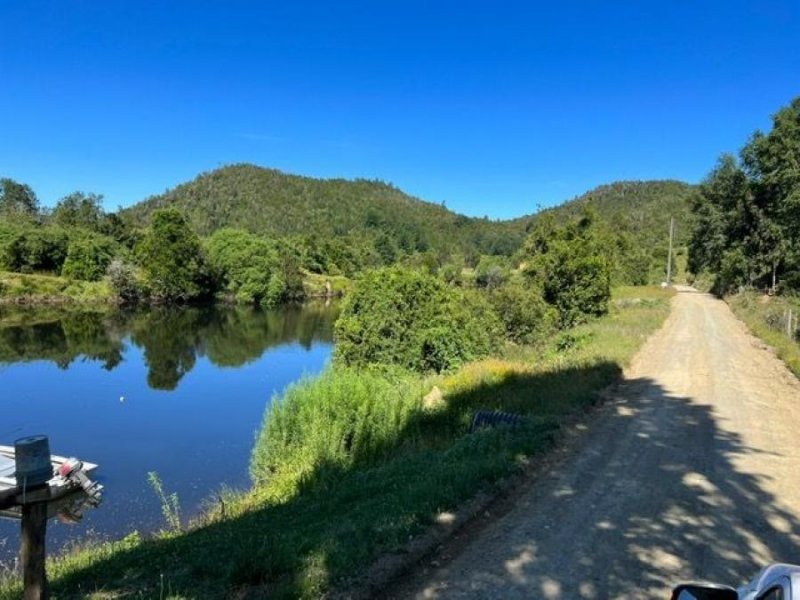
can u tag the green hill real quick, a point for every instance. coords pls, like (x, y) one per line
(332, 227)
(637, 214)
(270, 202)
(642, 208)
(267, 201)
(342, 216)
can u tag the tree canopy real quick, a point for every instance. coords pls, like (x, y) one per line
(571, 264)
(172, 258)
(747, 212)
(17, 199)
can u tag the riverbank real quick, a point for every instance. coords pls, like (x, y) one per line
(37, 290)
(355, 464)
(767, 318)
(47, 290)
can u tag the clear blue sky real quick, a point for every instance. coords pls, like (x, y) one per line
(492, 107)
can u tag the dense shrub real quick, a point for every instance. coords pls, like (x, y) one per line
(491, 272)
(733, 272)
(572, 266)
(30, 249)
(125, 282)
(250, 267)
(412, 319)
(577, 284)
(527, 318)
(88, 257)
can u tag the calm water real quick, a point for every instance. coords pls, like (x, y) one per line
(178, 391)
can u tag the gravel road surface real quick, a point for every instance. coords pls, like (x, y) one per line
(692, 471)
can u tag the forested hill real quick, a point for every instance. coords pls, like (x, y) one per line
(641, 208)
(267, 201)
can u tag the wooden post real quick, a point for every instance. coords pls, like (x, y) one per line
(33, 471)
(33, 553)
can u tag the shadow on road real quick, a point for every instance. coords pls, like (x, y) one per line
(652, 496)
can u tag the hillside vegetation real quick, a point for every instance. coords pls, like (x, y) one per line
(276, 204)
(639, 213)
(254, 235)
(343, 226)
(643, 208)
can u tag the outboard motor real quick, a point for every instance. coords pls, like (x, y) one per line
(73, 469)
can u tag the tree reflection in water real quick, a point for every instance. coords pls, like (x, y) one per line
(171, 338)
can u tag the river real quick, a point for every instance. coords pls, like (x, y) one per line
(176, 391)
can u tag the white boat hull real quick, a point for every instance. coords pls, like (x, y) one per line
(59, 486)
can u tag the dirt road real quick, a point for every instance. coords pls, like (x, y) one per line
(692, 472)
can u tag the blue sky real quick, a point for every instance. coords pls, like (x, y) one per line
(491, 107)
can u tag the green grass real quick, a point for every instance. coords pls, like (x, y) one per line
(49, 289)
(355, 463)
(39, 289)
(314, 284)
(765, 316)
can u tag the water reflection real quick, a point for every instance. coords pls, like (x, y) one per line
(171, 338)
(179, 391)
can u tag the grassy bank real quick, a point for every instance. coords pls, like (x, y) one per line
(317, 285)
(766, 317)
(18, 288)
(42, 290)
(355, 463)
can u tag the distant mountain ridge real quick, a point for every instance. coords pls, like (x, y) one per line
(270, 202)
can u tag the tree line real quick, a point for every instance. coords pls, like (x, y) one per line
(747, 212)
(236, 234)
(165, 261)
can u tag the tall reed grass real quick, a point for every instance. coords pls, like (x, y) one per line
(341, 420)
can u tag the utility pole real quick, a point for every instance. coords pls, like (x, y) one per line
(669, 253)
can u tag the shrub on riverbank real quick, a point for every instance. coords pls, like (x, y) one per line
(88, 257)
(411, 319)
(172, 259)
(249, 267)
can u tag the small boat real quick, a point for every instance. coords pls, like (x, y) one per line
(69, 475)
